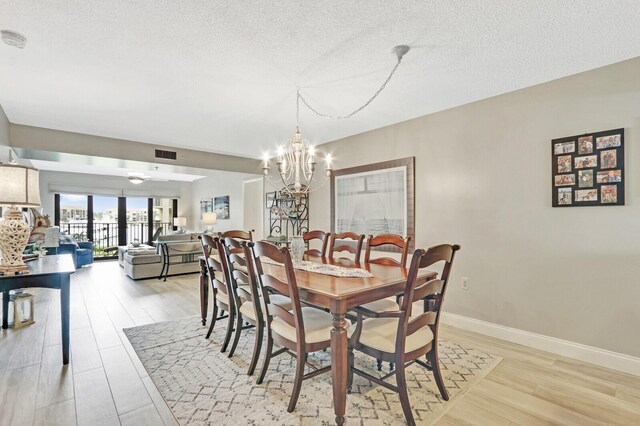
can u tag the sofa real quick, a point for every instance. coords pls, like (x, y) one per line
(81, 251)
(147, 262)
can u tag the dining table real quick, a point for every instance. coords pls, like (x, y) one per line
(339, 295)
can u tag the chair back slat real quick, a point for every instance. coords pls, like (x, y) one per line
(290, 288)
(392, 241)
(443, 252)
(339, 244)
(238, 236)
(317, 235)
(420, 321)
(429, 288)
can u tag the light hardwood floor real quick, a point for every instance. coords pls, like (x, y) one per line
(105, 383)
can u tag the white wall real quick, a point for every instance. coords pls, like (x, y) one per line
(218, 184)
(111, 185)
(483, 180)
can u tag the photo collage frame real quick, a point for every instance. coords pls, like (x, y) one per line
(588, 170)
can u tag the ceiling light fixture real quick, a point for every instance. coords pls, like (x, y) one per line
(14, 39)
(296, 160)
(137, 178)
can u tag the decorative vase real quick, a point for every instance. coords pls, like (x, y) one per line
(14, 234)
(297, 248)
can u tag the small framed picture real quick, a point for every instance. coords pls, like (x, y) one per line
(610, 141)
(609, 177)
(564, 180)
(585, 178)
(564, 196)
(270, 199)
(588, 170)
(586, 162)
(587, 195)
(585, 145)
(609, 194)
(564, 164)
(608, 159)
(564, 147)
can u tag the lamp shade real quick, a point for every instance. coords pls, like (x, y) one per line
(19, 185)
(209, 218)
(180, 221)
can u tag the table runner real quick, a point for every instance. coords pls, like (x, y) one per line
(322, 268)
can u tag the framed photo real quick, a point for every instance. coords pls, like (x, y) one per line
(565, 196)
(375, 199)
(588, 170)
(564, 164)
(585, 145)
(221, 207)
(564, 147)
(563, 180)
(206, 205)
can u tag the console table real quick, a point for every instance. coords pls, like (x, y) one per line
(48, 272)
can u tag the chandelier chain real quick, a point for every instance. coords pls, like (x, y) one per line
(341, 117)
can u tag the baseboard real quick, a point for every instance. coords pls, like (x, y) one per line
(590, 354)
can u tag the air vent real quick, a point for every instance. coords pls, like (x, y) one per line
(167, 155)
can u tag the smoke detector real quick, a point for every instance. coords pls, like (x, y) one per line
(14, 39)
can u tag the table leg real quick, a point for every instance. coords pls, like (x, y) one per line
(339, 363)
(204, 291)
(5, 310)
(64, 314)
(166, 273)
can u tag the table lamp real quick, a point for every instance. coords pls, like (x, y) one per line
(19, 186)
(180, 222)
(209, 218)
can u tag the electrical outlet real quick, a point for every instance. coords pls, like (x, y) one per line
(465, 283)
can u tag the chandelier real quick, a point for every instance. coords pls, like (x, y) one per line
(296, 160)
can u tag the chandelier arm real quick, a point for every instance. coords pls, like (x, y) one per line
(366, 104)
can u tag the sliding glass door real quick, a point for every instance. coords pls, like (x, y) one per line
(113, 221)
(105, 225)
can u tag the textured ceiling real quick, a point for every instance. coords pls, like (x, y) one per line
(221, 76)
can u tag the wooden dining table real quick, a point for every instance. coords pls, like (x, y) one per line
(340, 295)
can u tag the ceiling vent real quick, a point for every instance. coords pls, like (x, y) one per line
(166, 155)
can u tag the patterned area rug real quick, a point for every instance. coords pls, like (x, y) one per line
(204, 387)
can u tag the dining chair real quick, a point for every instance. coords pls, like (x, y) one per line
(338, 244)
(298, 329)
(317, 235)
(394, 242)
(247, 300)
(222, 296)
(391, 241)
(402, 337)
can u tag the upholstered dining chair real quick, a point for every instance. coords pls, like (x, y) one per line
(338, 244)
(247, 300)
(298, 329)
(401, 336)
(222, 293)
(322, 236)
(395, 242)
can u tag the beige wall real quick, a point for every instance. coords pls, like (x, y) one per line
(483, 181)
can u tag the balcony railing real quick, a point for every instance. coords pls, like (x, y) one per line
(105, 234)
